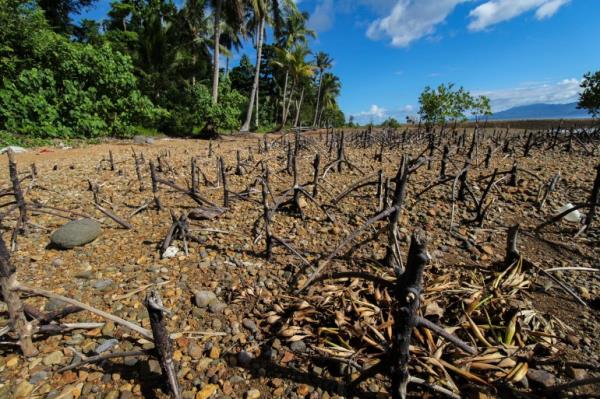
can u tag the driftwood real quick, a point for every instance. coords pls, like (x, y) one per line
(18, 322)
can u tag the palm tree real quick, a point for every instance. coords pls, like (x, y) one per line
(299, 70)
(294, 30)
(331, 87)
(194, 43)
(263, 12)
(323, 62)
(231, 11)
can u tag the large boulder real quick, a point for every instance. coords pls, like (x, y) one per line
(76, 233)
(142, 140)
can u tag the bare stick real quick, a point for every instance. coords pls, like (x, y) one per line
(105, 356)
(407, 295)
(18, 322)
(423, 322)
(162, 342)
(114, 217)
(16, 286)
(19, 197)
(224, 181)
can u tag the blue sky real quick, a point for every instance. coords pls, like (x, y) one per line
(516, 52)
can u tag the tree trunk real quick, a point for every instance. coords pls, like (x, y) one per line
(289, 103)
(256, 116)
(246, 126)
(318, 100)
(215, 83)
(285, 85)
(299, 105)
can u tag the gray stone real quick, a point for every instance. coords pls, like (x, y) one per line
(541, 377)
(298, 346)
(102, 284)
(204, 298)
(217, 307)
(244, 358)
(54, 304)
(37, 377)
(53, 358)
(76, 233)
(250, 325)
(142, 140)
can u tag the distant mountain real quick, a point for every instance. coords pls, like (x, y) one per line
(541, 111)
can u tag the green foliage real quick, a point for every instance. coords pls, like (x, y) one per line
(438, 106)
(391, 123)
(57, 88)
(333, 116)
(589, 98)
(146, 67)
(197, 112)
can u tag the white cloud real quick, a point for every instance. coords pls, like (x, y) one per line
(410, 20)
(496, 11)
(408, 109)
(374, 114)
(323, 17)
(564, 91)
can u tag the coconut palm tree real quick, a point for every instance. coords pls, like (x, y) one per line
(323, 62)
(299, 70)
(231, 12)
(294, 30)
(263, 12)
(330, 90)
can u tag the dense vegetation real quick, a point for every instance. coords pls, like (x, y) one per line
(589, 99)
(152, 65)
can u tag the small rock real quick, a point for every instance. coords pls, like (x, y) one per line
(204, 298)
(250, 325)
(126, 395)
(12, 362)
(37, 377)
(487, 249)
(215, 352)
(244, 358)
(76, 233)
(573, 340)
(114, 394)
(53, 358)
(108, 329)
(578, 374)
(84, 274)
(584, 293)
(217, 307)
(102, 284)
(541, 377)
(170, 252)
(58, 262)
(298, 346)
(23, 390)
(253, 394)
(207, 391)
(194, 350)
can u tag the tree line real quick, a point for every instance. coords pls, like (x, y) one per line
(157, 66)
